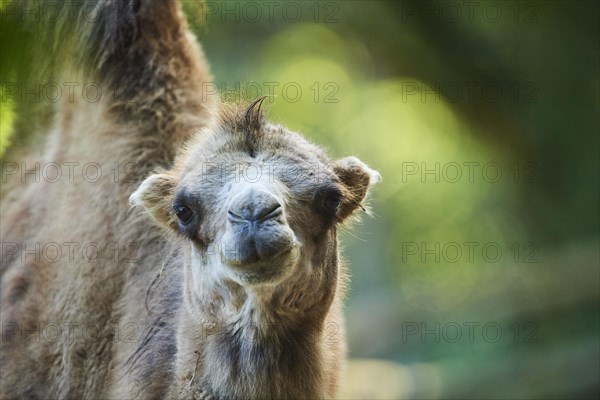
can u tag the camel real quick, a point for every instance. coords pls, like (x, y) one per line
(207, 268)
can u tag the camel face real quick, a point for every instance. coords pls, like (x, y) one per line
(240, 219)
(256, 201)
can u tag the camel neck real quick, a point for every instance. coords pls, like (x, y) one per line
(254, 361)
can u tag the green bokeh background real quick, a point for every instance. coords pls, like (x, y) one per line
(506, 87)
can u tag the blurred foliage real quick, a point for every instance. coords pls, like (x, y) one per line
(389, 81)
(6, 120)
(394, 66)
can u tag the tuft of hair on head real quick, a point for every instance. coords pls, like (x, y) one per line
(253, 116)
(246, 119)
(254, 121)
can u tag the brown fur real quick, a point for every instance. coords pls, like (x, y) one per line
(163, 319)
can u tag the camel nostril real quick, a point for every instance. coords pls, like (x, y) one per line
(270, 213)
(233, 217)
(260, 216)
(254, 206)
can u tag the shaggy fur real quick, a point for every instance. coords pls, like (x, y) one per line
(157, 312)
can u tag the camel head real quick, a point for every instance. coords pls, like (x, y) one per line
(257, 203)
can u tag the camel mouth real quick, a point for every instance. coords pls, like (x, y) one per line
(244, 255)
(265, 271)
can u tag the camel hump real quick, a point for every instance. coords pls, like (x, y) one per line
(133, 60)
(113, 41)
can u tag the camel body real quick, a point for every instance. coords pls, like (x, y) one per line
(108, 291)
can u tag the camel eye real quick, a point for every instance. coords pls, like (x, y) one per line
(331, 203)
(184, 214)
(330, 200)
(326, 202)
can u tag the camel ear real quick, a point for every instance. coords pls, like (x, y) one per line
(155, 195)
(357, 178)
